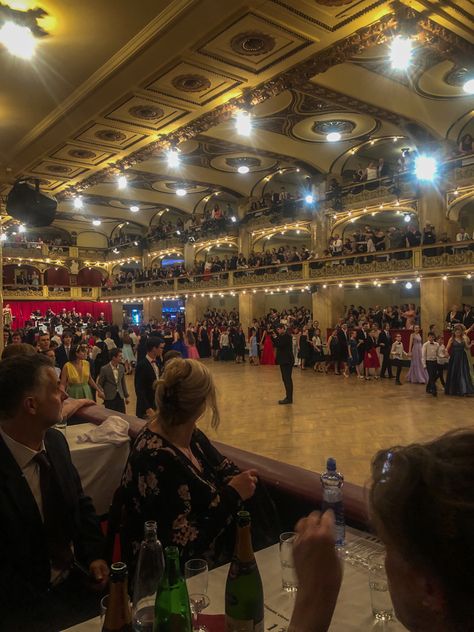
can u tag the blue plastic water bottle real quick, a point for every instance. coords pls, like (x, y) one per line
(332, 482)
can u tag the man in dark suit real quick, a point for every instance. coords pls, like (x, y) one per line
(49, 531)
(146, 373)
(362, 337)
(468, 316)
(113, 383)
(385, 341)
(64, 349)
(285, 359)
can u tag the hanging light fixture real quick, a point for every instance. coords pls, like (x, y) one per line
(401, 50)
(243, 123)
(19, 30)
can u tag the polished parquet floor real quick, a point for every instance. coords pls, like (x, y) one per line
(349, 419)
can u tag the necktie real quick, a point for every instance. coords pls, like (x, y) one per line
(59, 544)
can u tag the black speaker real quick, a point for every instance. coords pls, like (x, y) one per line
(26, 203)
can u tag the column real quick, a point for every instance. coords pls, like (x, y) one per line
(328, 307)
(152, 308)
(246, 313)
(244, 241)
(436, 298)
(319, 234)
(117, 313)
(189, 253)
(195, 307)
(432, 209)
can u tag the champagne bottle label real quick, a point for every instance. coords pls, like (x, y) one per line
(237, 625)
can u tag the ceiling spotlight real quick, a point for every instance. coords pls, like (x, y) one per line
(400, 53)
(406, 218)
(309, 199)
(18, 40)
(181, 192)
(243, 169)
(134, 208)
(333, 137)
(408, 285)
(233, 219)
(425, 168)
(78, 203)
(96, 222)
(243, 123)
(173, 158)
(468, 87)
(122, 182)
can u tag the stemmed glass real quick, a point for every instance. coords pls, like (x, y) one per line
(196, 574)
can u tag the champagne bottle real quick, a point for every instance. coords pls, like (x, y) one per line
(118, 617)
(150, 567)
(172, 611)
(243, 591)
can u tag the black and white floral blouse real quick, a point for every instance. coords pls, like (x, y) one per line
(192, 508)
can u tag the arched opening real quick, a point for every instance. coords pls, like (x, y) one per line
(91, 277)
(57, 277)
(21, 275)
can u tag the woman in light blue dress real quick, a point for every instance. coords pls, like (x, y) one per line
(417, 373)
(253, 347)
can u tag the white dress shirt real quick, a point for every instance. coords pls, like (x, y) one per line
(429, 352)
(115, 371)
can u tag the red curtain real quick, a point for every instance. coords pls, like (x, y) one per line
(22, 310)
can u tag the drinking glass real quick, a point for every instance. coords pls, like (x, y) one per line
(104, 602)
(382, 607)
(196, 574)
(288, 574)
(61, 425)
(198, 602)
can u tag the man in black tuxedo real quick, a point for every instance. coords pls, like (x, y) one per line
(285, 359)
(385, 341)
(64, 349)
(146, 373)
(468, 316)
(50, 538)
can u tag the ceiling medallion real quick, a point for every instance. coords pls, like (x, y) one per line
(58, 169)
(243, 161)
(81, 153)
(191, 83)
(252, 43)
(110, 135)
(146, 112)
(333, 3)
(456, 77)
(340, 126)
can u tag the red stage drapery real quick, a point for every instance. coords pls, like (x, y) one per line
(22, 310)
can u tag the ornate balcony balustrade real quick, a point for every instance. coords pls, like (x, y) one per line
(435, 258)
(52, 292)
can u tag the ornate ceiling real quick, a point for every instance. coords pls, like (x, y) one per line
(111, 87)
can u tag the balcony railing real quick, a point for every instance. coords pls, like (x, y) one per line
(433, 258)
(14, 290)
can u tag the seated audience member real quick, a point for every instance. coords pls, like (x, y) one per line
(175, 475)
(48, 527)
(422, 506)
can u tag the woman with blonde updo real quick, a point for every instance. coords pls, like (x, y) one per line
(174, 474)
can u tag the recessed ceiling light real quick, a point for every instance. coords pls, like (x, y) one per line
(18, 40)
(122, 182)
(468, 87)
(400, 53)
(333, 137)
(96, 222)
(243, 169)
(78, 203)
(181, 192)
(134, 208)
(173, 158)
(243, 123)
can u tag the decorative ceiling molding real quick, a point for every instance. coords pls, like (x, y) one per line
(435, 35)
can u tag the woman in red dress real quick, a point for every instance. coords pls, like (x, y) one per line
(371, 358)
(268, 351)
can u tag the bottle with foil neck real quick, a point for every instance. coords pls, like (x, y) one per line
(118, 617)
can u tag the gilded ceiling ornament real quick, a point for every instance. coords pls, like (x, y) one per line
(456, 76)
(243, 161)
(333, 3)
(252, 43)
(81, 153)
(191, 83)
(342, 126)
(146, 112)
(110, 135)
(58, 169)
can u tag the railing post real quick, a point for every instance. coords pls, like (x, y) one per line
(45, 291)
(230, 279)
(305, 270)
(175, 284)
(133, 286)
(417, 258)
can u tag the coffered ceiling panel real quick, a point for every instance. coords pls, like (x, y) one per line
(254, 43)
(146, 113)
(109, 136)
(67, 171)
(82, 155)
(194, 84)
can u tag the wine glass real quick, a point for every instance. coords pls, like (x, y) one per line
(198, 602)
(196, 574)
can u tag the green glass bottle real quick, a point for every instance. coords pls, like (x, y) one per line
(243, 591)
(172, 611)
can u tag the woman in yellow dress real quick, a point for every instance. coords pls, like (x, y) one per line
(75, 376)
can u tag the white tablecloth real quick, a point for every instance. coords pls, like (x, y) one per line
(100, 466)
(353, 611)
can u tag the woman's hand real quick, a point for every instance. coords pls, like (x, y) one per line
(245, 483)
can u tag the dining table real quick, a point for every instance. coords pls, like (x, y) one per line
(353, 611)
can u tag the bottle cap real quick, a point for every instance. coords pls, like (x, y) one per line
(243, 518)
(118, 571)
(331, 464)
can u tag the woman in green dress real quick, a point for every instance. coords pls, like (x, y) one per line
(76, 377)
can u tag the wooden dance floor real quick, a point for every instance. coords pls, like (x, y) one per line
(348, 419)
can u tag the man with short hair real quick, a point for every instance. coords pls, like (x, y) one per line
(285, 359)
(43, 341)
(429, 358)
(16, 338)
(146, 373)
(64, 349)
(113, 383)
(48, 527)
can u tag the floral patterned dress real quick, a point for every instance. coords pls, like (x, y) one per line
(193, 509)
